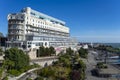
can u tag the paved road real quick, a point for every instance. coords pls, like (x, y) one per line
(90, 63)
(28, 75)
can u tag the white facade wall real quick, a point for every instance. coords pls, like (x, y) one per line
(31, 29)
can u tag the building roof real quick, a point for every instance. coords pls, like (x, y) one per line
(47, 17)
(42, 15)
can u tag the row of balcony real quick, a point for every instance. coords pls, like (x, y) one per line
(47, 31)
(45, 28)
(16, 33)
(47, 35)
(15, 23)
(16, 28)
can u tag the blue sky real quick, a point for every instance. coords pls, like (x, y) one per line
(88, 20)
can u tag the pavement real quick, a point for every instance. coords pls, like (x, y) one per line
(29, 74)
(90, 64)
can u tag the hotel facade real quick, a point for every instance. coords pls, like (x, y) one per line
(31, 29)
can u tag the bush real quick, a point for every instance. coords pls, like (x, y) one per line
(1, 52)
(75, 75)
(1, 70)
(28, 79)
(15, 59)
(39, 78)
(14, 72)
(105, 66)
(6, 78)
(34, 65)
(42, 51)
(101, 65)
(83, 53)
(47, 71)
(68, 67)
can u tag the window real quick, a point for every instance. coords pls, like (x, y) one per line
(22, 17)
(18, 37)
(32, 13)
(45, 43)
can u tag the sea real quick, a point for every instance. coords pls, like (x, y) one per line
(115, 45)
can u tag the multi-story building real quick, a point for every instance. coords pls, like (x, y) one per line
(31, 29)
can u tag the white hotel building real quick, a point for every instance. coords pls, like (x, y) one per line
(31, 29)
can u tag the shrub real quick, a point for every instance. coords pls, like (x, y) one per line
(16, 59)
(28, 79)
(14, 72)
(39, 78)
(1, 70)
(6, 78)
(83, 53)
(101, 65)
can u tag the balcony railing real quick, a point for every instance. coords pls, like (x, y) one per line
(16, 33)
(15, 23)
(17, 28)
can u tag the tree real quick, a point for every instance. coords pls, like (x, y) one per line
(1, 51)
(66, 68)
(16, 59)
(69, 51)
(83, 53)
(42, 51)
(47, 52)
(81, 65)
(52, 50)
(75, 75)
(39, 78)
(47, 72)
